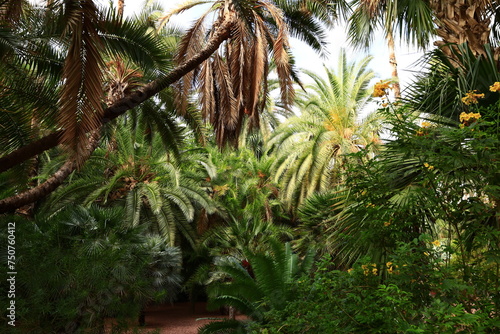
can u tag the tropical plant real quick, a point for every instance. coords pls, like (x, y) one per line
(259, 283)
(416, 296)
(33, 64)
(394, 18)
(472, 26)
(312, 147)
(231, 84)
(78, 266)
(438, 90)
(153, 187)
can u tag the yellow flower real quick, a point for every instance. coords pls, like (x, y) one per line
(380, 88)
(387, 224)
(366, 271)
(419, 133)
(388, 264)
(471, 97)
(468, 118)
(426, 124)
(436, 243)
(374, 271)
(495, 87)
(350, 270)
(430, 167)
(426, 254)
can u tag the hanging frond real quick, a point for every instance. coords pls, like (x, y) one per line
(81, 96)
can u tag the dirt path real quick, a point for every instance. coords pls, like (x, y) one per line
(179, 318)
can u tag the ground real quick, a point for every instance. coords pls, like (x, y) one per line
(178, 318)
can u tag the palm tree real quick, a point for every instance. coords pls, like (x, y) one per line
(472, 26)
(87, 260)
(75, 125)
(232, 83)
(394, 18)
(311, 147)
(150, 183)
(260, 283)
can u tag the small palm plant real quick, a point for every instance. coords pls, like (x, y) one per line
(82, 265)
(153, 186)
(256, 285)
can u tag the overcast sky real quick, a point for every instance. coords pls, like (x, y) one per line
(307, 58)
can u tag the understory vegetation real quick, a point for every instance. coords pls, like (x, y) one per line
(141, 164)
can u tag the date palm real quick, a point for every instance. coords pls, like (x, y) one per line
(231, 84)
(91, 119)
(154, 188)
(311, 147)
(33, 62)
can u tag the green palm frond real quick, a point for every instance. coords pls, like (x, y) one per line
(138, 42)
(311, 147)
(222, 327)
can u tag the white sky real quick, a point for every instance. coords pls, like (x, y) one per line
(305, 56)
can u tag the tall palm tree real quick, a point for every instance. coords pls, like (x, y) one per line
(231, 84)
(39, 33)
(394, 18)
(225, 28)
(465, 22)
(310, 147)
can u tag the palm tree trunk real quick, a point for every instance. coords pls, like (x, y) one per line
(460, 21)
(121, 6)
(128, 102)
(396, 88)
(10, 204)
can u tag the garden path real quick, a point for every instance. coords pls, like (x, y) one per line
(179, 318)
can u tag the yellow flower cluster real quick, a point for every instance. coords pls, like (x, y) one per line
(469, 117)
(495, 87)
(436, 243)
(380, 88)
(366, 269)
(471, 97)
(430, 167)
(390, 268)
(426, 124)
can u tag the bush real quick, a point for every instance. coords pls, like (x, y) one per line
(414, 296)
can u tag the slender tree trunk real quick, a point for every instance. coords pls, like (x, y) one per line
(10, 204)
(121, 7)
(396, 88)
(128, 102)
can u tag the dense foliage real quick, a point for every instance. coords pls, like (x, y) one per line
(118, 191)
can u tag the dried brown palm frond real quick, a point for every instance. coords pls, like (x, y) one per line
(120, 80)
(232, 84)
(81, 96)
(11, 10)
(191, 44)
